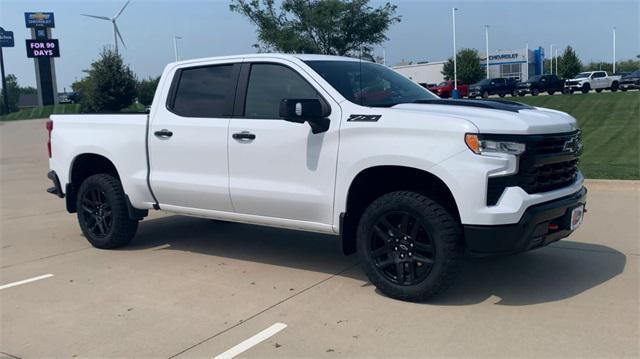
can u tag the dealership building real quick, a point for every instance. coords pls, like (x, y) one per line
(519, 64)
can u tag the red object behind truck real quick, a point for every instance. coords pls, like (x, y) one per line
(445, 89)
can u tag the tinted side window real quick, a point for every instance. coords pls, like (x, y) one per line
(268, 85)
(598, 75)
(203, 91)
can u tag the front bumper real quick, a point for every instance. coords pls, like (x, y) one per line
(532, 231)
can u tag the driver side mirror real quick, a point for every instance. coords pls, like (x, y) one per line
(312, 111)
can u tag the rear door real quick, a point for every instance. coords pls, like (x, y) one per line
(188, 139)
(281, 169)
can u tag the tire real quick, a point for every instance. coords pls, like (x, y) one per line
(502, 94)
(515, 93)
(472, 97)
(404, 222)
(521, 94)
(623, 90)
(586, 88)
(535, 92)
(103, 214)
(551, 93)
(485, 94)
(614, 86)
(598, 90)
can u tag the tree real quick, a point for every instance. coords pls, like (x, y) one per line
(13, 94)
(332, 27)
(621, 66)
(109, 86)
(569, 64)
(469, 69)
(147, 89)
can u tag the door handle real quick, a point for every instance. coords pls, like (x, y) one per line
(164, 133)
(244, 135)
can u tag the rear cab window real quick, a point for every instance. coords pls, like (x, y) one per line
(205, 91)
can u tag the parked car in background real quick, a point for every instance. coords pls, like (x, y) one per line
(498, 86)
(68, 97)
(445, 89)
(630, 81)
(541, 83)
(409, 181)
(593, 80)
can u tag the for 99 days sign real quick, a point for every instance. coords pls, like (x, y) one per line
(43, 48)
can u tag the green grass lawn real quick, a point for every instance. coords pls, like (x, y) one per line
(43, 112)
(40, 112)
(610, 124)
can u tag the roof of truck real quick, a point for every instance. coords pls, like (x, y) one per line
(303, 57)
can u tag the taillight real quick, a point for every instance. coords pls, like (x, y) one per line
(49, 129)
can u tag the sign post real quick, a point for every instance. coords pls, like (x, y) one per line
(6, 40)
(42, 48)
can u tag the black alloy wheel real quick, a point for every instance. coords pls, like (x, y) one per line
(103, 212)
(97, 212)
(409, 245)
(401, 248)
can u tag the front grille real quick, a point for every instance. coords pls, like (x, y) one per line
(549, 162)
(570, 83)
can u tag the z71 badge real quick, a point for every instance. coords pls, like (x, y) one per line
(364, 118)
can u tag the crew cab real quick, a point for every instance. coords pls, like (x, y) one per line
(496, 86)
(445, 89)
(592, 80)
(333, 145)
(541, 83)
(630, 81)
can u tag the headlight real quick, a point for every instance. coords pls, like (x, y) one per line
(481, 146)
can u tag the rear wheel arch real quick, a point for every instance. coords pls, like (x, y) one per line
(373, 182)
(83, 166)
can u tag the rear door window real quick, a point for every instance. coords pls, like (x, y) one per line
(204, 91)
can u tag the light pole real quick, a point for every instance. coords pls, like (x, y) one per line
(526, 55)
(455, 60)
(384, 56)
(614, 49)
(175, 47)
(486, 40)
(551, 55)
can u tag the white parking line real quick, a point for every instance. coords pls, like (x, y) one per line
(253, 341)
(9, 285)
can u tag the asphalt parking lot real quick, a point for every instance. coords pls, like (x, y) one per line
(189, 287)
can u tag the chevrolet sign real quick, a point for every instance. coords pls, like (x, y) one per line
(39, 19)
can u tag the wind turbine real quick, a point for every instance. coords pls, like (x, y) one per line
(116, 32)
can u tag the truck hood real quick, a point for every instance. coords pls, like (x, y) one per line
(501, 117)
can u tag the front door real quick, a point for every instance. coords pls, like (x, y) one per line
(281, 169)
(188, 140)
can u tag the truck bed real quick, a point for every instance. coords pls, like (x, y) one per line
(119, 137)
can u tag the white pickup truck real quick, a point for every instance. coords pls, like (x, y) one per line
(593, 80)
(333, 145)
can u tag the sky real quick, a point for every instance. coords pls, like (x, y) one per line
(208, 28)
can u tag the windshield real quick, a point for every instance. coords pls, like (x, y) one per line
(484, 82)
(369, 84)
(582, 75)
(534, 78)
(443, 84)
